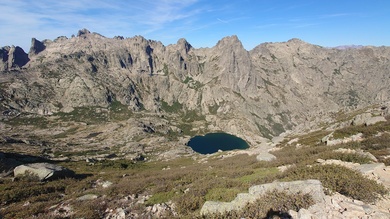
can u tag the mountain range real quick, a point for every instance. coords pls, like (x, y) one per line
(266, 91)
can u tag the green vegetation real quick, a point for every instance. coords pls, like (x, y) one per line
(165, 69)
(353, 98)
(192, 83)
(339, 179)
(192, 115)
(89, 115)
(336, 72)
(174, 108)
(213, 109)
(37, 121)
(160, 197)
(189, 182)
(119, 112)
(97, 115)
(272, 203)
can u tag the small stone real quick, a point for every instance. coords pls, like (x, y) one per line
(87, 197)
(106, 184)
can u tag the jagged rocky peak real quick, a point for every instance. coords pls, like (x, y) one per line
(229, 41)
(296, 40)
(119, 37)
(4, 53)
(183, 43)
(83, 32)
(13, 57)
(36, 47)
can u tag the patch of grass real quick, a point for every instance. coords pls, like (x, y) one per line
(165, 69)
(313, 138)
(28, 188)
(193, 115)
(160, 197)
(119, 112)
(259, 174)
(193, 84)
(89, 115)
(222, 194)
(186, 129)
(37, 121)
(348, 131)
(213, 109)
(174, 108)
(187, 80)
(377, 142)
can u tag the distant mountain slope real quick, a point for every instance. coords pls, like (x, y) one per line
(270, 89)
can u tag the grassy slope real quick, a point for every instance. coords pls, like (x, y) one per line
(189, 183)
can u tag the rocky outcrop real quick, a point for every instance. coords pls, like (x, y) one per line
(12, 58)
(44, 171)
(334, 206)
(367, 119)
(339, 206)
(330, 141)
(312, 187)
(36, 47)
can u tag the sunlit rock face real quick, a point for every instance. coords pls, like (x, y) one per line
(263, 92)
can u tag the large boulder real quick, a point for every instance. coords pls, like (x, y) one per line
(374, 120)
(312, 187)
(44, 171)
(367, 119)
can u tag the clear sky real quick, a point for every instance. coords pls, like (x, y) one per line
(201, 22)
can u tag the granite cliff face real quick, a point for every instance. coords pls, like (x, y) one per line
(273, 88)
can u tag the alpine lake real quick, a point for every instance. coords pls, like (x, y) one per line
(213, 142)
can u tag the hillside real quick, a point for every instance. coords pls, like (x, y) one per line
(273, 88)
(117, 114)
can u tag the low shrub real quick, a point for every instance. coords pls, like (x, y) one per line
(275, 203)
(338, 179)
(346, 157)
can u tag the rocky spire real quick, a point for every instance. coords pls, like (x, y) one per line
(36, 47)
(183, 44)
(12, 57)
(83, 32)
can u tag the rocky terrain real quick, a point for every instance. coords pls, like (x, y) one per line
(118, 112)
(253, 94)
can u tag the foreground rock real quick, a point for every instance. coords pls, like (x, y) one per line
(339, 206)
(312, 187)
(335, 206)
(44, 171)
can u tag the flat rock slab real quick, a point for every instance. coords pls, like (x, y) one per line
(87, 197)
(369, 168)
(44, 171)
(265, 157)
(312, 187)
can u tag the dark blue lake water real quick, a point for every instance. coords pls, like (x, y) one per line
(212, 142)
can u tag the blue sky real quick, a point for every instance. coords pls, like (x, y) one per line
(201, 22)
